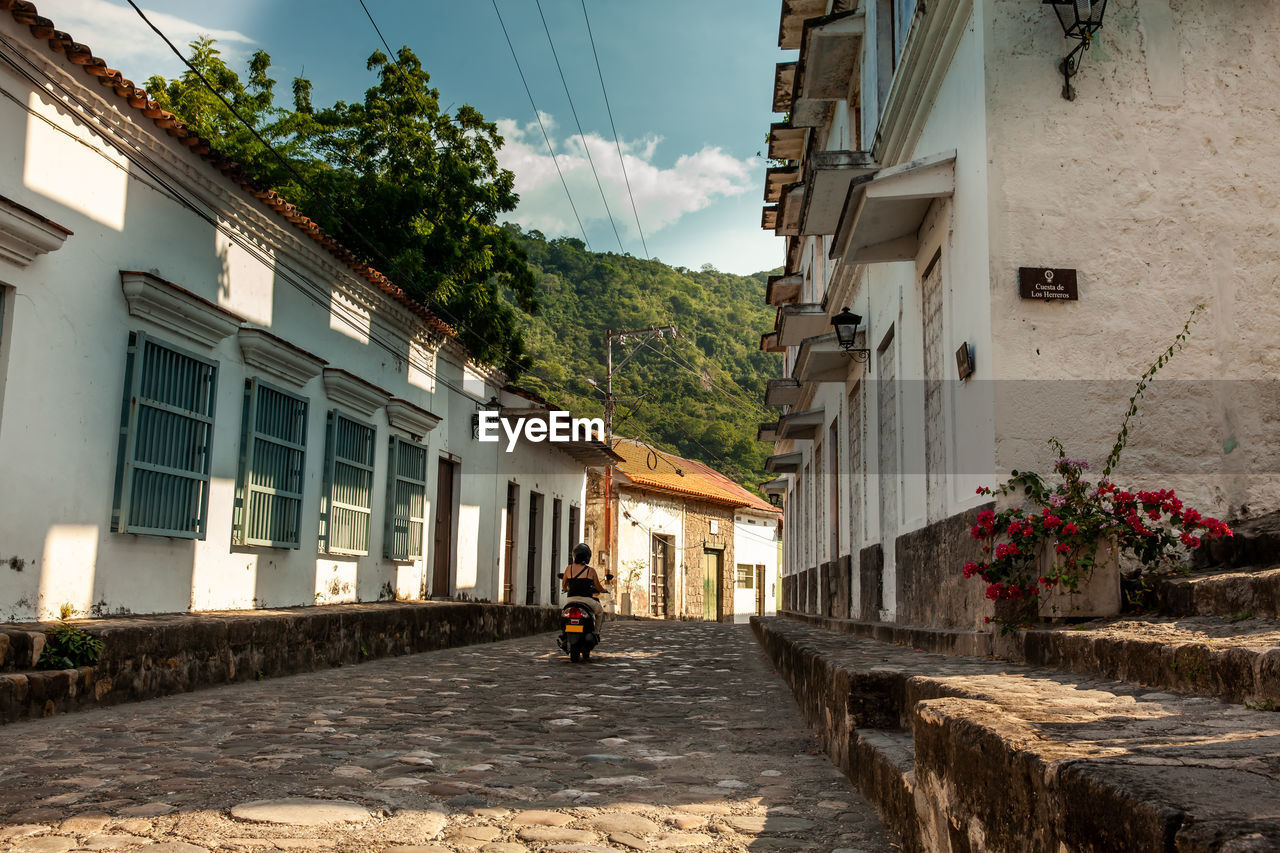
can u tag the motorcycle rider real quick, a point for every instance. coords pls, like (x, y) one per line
(582, 583)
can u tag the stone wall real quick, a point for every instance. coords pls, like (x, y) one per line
(698, 539)
(593, 523)
(931, 587)
(149, 656)
(870, 582)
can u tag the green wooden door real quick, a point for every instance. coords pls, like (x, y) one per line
(713, 563)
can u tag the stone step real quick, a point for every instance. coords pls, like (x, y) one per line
(1242, 593)
(1254, 542)
(981, 754)
(1231, 660)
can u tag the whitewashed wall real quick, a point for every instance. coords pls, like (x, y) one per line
(63, 360)
(641, 516)
(755, 543)
(1160, 187)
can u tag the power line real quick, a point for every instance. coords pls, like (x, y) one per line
(377, 29)
(612, 127)
(671, 357)
(276, 264)
(507, 359)
(537, 115)
(574, 110)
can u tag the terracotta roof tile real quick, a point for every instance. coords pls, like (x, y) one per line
(79, 54)
(670, 473)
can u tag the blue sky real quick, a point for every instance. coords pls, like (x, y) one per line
(689, 83)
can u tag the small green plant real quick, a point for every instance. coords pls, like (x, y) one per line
(1242, 616)
(67, 647)
(1264, 705)
(66, 611)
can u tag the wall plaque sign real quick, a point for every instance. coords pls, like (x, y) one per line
(1046, 283)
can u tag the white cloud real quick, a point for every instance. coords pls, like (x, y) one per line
(116, 34)
(662, 195)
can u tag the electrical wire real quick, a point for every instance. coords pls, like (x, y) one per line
(614, 128)
(537, 115)
(277, 265)
(733, 398)
(574, 110)
(391, 265)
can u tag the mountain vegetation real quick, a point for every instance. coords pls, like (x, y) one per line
(699, 395)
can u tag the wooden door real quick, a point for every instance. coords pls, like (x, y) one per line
(442, 539)
(531, 566)
(713, 585)
(557, 563)
(658, 577)
(509, 552)
(759, 590)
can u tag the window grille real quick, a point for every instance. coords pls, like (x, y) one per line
(348, 486)
(273, 442)
(166, 433)
(406, 500)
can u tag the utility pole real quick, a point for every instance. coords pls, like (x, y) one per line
(645, 336)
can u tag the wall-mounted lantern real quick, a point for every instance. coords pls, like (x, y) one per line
(1081, 20)
(494, 405)
(775, 499)
(846, 324)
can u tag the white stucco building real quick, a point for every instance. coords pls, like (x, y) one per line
(927, 156)
(683, 540)
(206, 403)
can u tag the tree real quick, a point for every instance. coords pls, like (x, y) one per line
(416, 191)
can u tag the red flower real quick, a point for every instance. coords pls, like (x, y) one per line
(1070, 528)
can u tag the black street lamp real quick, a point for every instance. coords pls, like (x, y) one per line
(846, 324)
(493, 405)
(1081, 20)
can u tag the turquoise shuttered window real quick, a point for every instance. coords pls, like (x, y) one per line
(166, 433)
(406, 500)
(273, 443)
(348, 486)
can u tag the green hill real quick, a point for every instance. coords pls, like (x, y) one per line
(700, 395)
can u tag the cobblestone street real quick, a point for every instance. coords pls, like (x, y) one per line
(675, 736)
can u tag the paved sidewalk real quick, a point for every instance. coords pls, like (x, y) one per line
(675, 736)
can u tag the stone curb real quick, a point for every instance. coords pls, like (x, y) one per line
(1233, 674)
(969, 754)
(145, 657)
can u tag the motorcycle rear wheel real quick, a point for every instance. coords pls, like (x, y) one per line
(573, 657)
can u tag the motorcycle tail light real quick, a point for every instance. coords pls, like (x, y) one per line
(573, 613)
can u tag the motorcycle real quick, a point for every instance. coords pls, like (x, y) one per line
(578, 630)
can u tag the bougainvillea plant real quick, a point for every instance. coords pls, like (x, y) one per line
(1070, 520)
